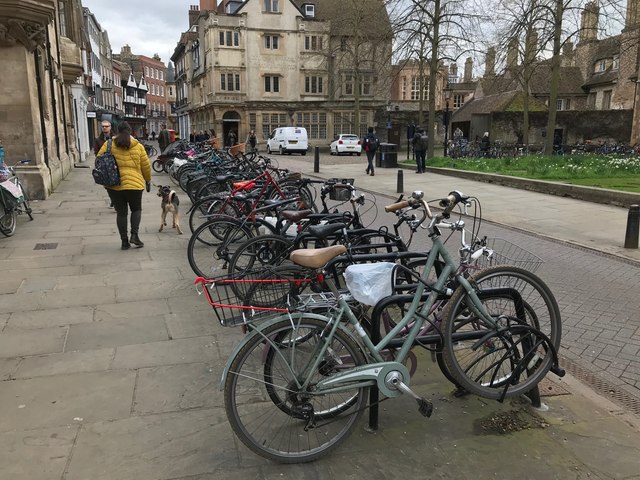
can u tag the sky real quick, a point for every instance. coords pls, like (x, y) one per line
(147, 26)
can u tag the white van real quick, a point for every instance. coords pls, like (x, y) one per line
(288, 140)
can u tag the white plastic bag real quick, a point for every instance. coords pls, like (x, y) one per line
(370, 282)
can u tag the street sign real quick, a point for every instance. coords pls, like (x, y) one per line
(91, 114)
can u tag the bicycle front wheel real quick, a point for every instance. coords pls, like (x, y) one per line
(214, 243)
(267, 406)
(510, 357)
(158, 166)
(260, 252)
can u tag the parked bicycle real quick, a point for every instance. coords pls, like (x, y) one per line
(296, 385)
(14, 201)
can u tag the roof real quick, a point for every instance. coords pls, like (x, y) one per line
(485, 105)
(599, 78)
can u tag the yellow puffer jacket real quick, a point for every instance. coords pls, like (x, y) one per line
(133, 164)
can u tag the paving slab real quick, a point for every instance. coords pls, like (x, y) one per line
(172, 388)
(131, 309)
(50, 317)
(7, 367)
(192, 324)
(65, 400)
(20, 343)
(10, 284)
(43, 453)
(153, 447)
(187, 350)
(116, 332)
(65, 363)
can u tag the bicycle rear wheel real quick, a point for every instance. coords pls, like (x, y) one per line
(158, 166)
(259, 252)
(267, 407)
(511, 359)
(8, 222)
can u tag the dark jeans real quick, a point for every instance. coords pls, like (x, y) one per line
(370, 157)
(123, 200)
(421, 159)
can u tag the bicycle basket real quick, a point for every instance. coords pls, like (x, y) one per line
(252, 295)
(507, 253)
(340, 191)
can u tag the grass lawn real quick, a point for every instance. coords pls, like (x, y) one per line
(604, 171)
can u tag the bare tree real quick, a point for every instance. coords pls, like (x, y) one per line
(434, 31)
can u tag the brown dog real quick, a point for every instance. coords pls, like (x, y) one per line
(170, 203)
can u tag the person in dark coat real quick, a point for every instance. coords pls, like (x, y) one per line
(420, 143)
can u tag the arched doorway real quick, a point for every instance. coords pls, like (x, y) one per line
(230, 121)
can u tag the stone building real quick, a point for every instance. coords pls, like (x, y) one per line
(40, 59)
(262, 64)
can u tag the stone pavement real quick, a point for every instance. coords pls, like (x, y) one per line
(110, 364)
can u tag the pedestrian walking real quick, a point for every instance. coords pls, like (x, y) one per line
(370, 143)
(485, 144)
(420, 143)
(135, 172)
(252, 141)
(105, 135)
(163, 138)
(232, 138)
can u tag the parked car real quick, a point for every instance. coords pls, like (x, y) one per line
(288, 140)
(346, 143)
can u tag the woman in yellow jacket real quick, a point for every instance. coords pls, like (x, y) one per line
(135, 171)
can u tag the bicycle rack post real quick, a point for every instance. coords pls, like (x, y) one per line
(534, 396)
(400, 188)
(316, 160)
(633, 227)
(373, 391)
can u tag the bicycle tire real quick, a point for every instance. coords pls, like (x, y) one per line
(213, 244)
(158, 166)
(259, 252)
(264, 409)
(153, 152)
(8, 223)
(203, 210)
(24, 206)
(527, 312)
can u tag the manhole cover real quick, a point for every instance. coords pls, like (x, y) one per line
(45, 246)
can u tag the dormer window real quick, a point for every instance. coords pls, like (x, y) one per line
(616, 63)
(601, 66)
(309, 10)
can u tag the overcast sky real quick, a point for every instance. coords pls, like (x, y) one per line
(148, 27)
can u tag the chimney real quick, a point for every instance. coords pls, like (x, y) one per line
(453, 71)
(208, 5)
(490, 62)
(512, 53)
(194, 12)
(589, 22)
(532, 47)
(468, 70)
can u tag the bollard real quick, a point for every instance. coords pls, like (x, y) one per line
(633, 227)
(400, 188)
(316, 160)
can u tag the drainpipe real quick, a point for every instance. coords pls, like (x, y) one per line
(62, 98)
(53, 99)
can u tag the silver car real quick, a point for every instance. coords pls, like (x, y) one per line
(346, 143)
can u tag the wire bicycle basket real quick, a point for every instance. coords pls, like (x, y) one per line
(249, 296)
(502, 252)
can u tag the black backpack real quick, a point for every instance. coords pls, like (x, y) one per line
(106, 169)
(372, 143)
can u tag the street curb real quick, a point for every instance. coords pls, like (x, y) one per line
(588, 194)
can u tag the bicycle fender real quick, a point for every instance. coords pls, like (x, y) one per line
(257, 331)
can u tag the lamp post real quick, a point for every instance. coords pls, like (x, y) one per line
(447, 95)
(388, 121)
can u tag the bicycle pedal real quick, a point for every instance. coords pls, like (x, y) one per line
(425, 407)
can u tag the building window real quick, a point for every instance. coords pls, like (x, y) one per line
(313, 85)
(348, 85)
(230, 82)
(313, 42)
(601, 66)
(271, 42)
(606, 100)
(271, 121)
(161, 91)
(63, 20)
(272, 83)
(271, 6)
(344, 122)
(161, 75)
(403, 88)
(415, 88)
(563, 104)
(229, 38)
(146, 72)
(365, 85)
(157, 75)
(315, 123)
(458, 101)
(616, 63)
(252, 121)
(591, 100)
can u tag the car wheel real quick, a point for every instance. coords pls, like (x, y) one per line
(280, 150)
(268, 149)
